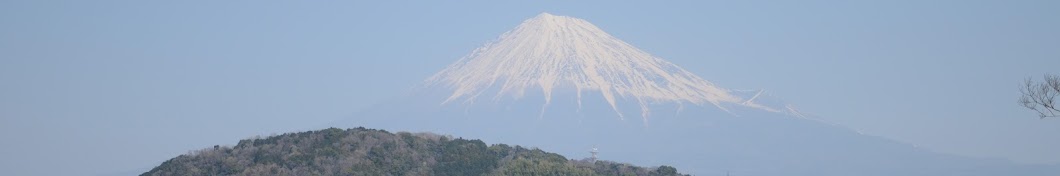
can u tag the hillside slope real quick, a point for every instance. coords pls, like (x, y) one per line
(360, 151)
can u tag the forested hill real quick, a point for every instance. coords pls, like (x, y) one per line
(361, 151)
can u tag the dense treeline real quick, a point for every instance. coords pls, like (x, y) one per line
(361, 151)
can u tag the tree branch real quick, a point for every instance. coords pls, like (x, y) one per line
(1041, 97)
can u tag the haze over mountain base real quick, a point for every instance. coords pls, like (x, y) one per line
(699, 140)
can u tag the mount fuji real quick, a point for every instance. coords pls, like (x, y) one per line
(562, 84)
(551, 51)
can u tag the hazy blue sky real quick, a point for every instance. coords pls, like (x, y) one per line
(91, 87)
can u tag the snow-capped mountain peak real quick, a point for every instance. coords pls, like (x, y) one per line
(549, 51)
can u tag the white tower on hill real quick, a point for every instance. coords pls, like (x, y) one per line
(594, 152)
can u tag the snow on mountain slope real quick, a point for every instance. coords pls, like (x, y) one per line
(549, 51)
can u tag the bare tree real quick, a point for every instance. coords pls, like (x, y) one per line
(1041, 96)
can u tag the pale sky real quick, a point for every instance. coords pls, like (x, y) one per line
(100, 87)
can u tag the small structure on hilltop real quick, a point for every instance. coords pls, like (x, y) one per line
(594, 152)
